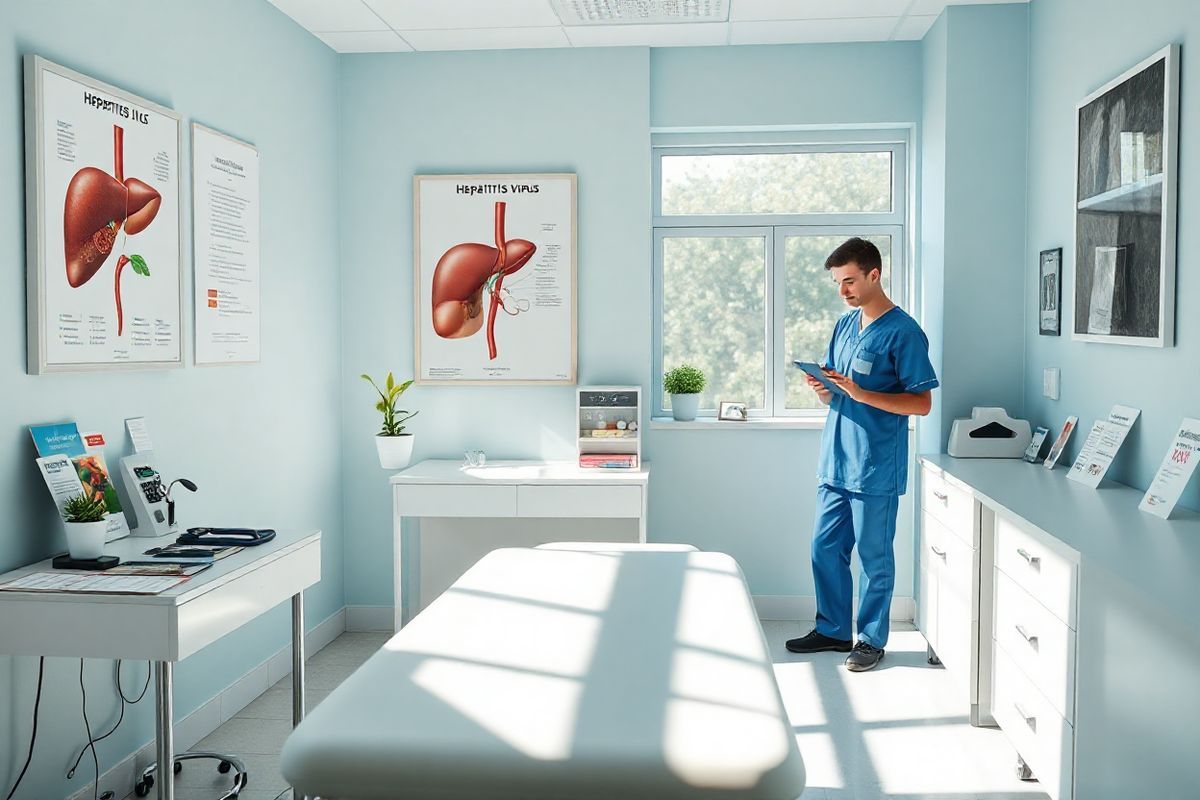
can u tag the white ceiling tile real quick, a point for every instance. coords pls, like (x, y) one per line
(331, 15)
(486, 38)
(750, 10)
(873, 29)
(669, 35)
(364, 41)
(914, 28)
(925, 7)
(474, 14)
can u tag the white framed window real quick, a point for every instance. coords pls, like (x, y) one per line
(741, 234)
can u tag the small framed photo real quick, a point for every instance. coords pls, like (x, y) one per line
(732, 410)
(1050, 292)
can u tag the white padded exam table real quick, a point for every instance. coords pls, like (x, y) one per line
(563, 673)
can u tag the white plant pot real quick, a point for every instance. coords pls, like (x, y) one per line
(685, 406)
(394, 451)
(85, 540)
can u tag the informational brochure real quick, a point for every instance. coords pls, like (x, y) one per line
(1175, 472)
(61, 438)
(1060, 443)
(139, 434)
(72, 463)
(225, 213)
(1102, 444)
(1035, 445)
(93, 582)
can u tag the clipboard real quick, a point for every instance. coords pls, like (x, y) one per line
(814, 369)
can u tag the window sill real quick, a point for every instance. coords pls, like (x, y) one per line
(754, 423)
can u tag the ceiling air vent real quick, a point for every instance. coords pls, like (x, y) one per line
(640, 12)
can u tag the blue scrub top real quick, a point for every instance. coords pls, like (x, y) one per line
(865, 449)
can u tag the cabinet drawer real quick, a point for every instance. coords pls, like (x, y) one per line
(956, 639)
(1038, 642)
(579, 501)
(440, 500)
(1046, 572)
(927, 585)
(952, 505)
(1043, 738)
(957, 566)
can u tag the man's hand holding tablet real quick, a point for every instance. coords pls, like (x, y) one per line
(816, 373)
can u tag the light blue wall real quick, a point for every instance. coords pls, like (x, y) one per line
(932, 227)
(1077, 46)
(974, 192)
(589, 112)
(582, 111)
(261, 441)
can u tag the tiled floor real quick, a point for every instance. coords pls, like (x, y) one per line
(895, 733)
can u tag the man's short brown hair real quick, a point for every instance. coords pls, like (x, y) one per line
(856, 251)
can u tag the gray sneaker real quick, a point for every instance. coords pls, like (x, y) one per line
(863, 657)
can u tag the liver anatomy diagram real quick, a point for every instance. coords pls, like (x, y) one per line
(97, 209)
(468, 271)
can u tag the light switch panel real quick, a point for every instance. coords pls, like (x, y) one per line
(1050, 382)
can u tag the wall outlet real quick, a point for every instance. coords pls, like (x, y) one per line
(1050, 383)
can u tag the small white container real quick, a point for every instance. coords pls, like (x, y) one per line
(395, 452)
(85, 540)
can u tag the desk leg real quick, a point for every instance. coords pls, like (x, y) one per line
(164, 733)
(297, 659)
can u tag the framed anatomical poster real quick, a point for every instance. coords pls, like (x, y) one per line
(494, 278)
(104, 261)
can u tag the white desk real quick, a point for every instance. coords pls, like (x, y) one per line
(512, 490)
(167, 627)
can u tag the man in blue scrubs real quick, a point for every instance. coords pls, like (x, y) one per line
(879, 358)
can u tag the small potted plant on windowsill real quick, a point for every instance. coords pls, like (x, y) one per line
(684, 383)
(83, 518)
(394, 445)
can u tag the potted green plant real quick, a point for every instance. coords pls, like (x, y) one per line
(83, 518)
(684, 383)
(394, 445)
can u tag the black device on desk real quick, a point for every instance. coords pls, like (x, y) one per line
(244, 537)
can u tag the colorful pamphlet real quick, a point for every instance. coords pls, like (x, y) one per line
(1060, 443)
(1035, 445)
(1175, 472)
(57, 439)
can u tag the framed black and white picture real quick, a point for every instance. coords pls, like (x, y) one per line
(1050, 292)
(1127, 140)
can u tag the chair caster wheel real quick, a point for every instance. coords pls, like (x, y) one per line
(931, 657)
(1023, 771)
(178, 767)
(143, 787)
(224, 767)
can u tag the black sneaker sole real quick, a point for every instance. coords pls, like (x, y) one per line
(828, 648)
(864, 667)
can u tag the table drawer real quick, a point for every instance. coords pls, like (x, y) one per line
(1047, 573)
(579, 501)
(1038, 642)
(440, 500)
(952, 505)
(1043, 738)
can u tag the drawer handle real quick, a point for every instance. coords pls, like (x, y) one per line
(941, 496)
(1033, 561)
(1030, 721)
(1033, 640)
(937, 552)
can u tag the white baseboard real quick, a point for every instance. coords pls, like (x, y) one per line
(804, 607)
(369, 618)
(210, 716)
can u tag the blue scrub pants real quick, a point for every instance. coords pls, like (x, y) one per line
(844, 519)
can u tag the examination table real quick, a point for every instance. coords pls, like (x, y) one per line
(563, 673)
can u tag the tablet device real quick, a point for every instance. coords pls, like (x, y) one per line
(814, 369)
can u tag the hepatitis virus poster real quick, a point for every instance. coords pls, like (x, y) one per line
(107, 209)
(495, 278)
